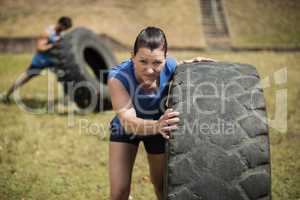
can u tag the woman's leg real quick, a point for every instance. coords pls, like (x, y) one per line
(157, 172)
(24, 78)
(121, 159)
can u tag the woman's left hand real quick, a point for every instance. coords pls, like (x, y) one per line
(197, 59)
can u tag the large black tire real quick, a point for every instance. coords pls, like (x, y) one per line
(221, 149)
(83, 61)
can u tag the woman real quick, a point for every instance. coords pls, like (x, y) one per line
(42, 59)
(137, 87)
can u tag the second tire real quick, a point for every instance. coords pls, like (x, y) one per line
(82, 69)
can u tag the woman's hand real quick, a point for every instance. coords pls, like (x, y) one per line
(197, 59)
(168, 122)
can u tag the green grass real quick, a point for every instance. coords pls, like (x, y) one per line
(42, 157)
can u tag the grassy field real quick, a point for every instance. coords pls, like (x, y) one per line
(265, 23)
(253, 23)
(43, 156)
(122, 20)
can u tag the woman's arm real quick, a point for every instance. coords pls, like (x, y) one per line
(122, 105)
(42, 43)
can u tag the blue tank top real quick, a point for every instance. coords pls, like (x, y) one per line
(147, 105)
(43, 59)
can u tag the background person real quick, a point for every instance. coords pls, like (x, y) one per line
(42, 59)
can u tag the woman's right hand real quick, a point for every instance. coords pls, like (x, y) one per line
(168, 122)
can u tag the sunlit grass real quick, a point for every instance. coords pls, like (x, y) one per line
(121, 20)
(265, 23)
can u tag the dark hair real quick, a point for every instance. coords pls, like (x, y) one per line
(66, 22)
(152, 38)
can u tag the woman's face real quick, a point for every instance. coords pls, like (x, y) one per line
(148, 64)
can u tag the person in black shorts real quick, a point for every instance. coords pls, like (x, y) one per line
(137, 87)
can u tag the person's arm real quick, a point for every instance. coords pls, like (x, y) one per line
(197, 59)
(42, 43)
(122, 105)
